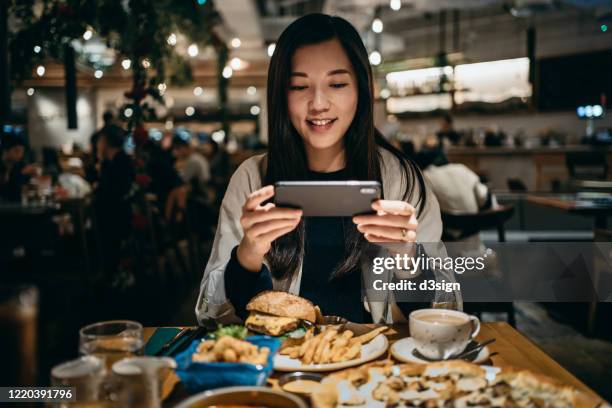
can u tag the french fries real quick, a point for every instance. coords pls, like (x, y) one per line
(329, 346)
(230, 350)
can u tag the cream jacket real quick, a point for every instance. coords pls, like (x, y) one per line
(212, 303)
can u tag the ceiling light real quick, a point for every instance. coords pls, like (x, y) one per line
(271, 49)
(377, 26)
(236, 42)
(255, 110)
(128, 112)
(30, 91)
(193, 50)
(198, 91)
(98, 73)
(40, 70)
(146, 63)
(37, 49)
(375, 58)
(189, 111)
(395, 5)
(251, 90)
(126, 64)
(171, 40)
(87, 34)
(227, 72)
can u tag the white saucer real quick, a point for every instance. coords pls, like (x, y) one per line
(402, 351)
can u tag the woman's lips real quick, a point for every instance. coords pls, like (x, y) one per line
(320, 125)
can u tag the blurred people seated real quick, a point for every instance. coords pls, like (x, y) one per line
(220, 167)
(51, 164)
(458, 189)
(91, 172)
(71, 180)
(14, 172)
(111, 199)
(193, 167)
(447, 131)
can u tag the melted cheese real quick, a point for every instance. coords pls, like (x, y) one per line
(273, 324)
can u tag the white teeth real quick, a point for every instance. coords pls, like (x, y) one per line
(321, 122)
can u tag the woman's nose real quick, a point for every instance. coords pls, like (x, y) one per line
(319, 102)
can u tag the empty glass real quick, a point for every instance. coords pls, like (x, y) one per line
(112, 341)
(86, 374)
(138, 381)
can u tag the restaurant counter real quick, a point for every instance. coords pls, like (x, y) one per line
(537, 168)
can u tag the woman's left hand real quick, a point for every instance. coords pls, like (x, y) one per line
(394, 221)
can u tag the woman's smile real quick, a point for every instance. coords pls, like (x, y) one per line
(320, 125)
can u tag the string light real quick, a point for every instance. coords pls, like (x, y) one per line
(375, 58)
(236, 42)
(146, 63)
(395, 5)
(87, 34)
(128, 112)
(198, 91)
(193, 50)
(377, 26)
(251, 90)
(236, 63)
(30, 91)
(37, 49)
(227, 72)
(385, 93)
(98, 73)
(189, 111)
(271, 49)
(255, 110)
(126, 64)
(40, 70)
(171, 39)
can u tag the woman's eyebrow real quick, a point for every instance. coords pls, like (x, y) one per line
(299, 74)
(339, 71)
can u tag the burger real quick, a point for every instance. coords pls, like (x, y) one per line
(276, 313)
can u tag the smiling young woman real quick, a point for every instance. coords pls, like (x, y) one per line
(320, 127)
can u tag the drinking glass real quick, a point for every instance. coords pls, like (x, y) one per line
(112, 341)
(86, 374)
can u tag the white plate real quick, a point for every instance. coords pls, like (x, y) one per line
(369, 351)
(402, 351)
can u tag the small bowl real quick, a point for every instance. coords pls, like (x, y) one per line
(298, 375)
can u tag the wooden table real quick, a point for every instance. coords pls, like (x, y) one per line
(574, 205)
(512, 348)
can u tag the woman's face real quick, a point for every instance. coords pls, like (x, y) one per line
(322, 95)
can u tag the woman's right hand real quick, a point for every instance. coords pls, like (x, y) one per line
(261, 226)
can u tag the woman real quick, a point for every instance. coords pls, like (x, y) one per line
(320, 127)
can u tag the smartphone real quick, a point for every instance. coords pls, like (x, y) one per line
(328, 198)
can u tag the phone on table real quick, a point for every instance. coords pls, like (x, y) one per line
(328, 198)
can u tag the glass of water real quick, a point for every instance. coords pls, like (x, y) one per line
(112, 341)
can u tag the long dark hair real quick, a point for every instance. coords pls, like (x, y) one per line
(286, 158)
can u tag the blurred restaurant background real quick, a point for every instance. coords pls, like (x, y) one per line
(96, 224)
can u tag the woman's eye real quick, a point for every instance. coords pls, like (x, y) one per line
(297, 87)
(338, 85)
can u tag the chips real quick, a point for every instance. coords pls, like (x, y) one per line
(230, 350)
(329, 346)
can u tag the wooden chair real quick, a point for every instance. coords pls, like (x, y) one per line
(459, 226)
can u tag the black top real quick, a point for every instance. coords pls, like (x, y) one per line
(324, 250)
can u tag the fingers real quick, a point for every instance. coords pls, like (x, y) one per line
(263, 228)
(390, 220)
(397, 207)
(268, 213)
(391, 233)
(377, 239)
(274, 234)
(257, 197)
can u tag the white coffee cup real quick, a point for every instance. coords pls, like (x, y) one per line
(440, 333)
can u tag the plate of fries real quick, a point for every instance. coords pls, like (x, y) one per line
(332, 349)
